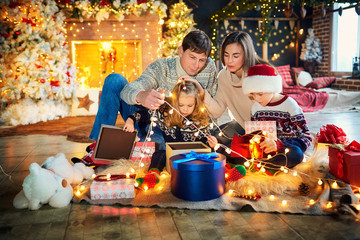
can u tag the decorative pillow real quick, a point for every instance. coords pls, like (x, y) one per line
(303, 78)
(284, 72)
(295, 71)
(321, 82)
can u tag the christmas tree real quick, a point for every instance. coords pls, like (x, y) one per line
(180, 23)
(35, 70)
(311, 50)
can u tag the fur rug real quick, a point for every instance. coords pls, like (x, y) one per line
(274, 190)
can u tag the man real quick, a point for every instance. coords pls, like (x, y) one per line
(148, 90)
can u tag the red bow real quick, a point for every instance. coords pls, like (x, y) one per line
(353, 146)
(331, 134)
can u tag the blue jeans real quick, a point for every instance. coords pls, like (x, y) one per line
(111, 104)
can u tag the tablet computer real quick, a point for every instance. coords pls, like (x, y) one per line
(113, 143)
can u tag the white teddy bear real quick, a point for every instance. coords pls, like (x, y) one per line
(51, 183)
(43, 186)
(74, 174)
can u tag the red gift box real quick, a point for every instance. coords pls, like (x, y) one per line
(145, 148)
(345, 165)
(245, 147)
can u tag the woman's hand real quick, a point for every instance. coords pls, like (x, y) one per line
(197, 84)
(212, 141)
(268, 145)
(129, 125)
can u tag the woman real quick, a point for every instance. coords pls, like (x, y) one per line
(237, 54)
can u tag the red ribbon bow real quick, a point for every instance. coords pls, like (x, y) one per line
(331, 134)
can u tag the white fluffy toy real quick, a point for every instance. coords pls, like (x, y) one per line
(74, 174)
(43, 186)
(51, 183)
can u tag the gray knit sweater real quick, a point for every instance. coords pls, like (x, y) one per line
(164, 73)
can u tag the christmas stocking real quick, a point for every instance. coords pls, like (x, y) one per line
(149, 180)
(234, 174)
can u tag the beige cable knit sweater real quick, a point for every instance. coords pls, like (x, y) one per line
(229, 95)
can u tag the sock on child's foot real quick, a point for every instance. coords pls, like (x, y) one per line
(149, 180)
(234, 174)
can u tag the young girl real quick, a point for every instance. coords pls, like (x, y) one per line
(265, 87)
(175, 128)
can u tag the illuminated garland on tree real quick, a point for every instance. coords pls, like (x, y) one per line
(180, 23)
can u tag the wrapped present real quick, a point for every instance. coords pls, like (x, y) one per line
(345, 165)
(143, 151)
(175, 148)
(247, 146)
(198, 176)
(112, 189)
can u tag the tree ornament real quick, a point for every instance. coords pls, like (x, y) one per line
(288, 10)
(340, 11)
(304, 189)
(303, 11)
(357, 9)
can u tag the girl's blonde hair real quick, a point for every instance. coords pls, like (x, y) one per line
(199, 116)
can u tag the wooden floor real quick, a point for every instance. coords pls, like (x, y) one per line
(84, 221)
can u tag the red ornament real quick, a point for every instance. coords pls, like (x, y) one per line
(141, 1)
(13, 4)
(103, 3)
(55, 83)
(29, 21)
(42, 80)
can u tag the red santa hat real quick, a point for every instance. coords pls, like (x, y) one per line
(262, 78)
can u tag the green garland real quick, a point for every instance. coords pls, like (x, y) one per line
(267, 7)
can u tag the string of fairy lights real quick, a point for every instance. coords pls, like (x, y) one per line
(261, 163)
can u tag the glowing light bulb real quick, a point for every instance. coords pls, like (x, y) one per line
(136, 184)
(127, 175)
(188, 122)
(163, 175)
(311, 202)
(82, 187)
(320, 182)
(228, 150)
(286, 171)
(220, 134)
(108, 176)
(226, 175)
(132, 170)
(258, 165)
(211, 125)
(329, 205)
(154, 124)
(151, 132)
(142, 164)
(262, 169)
(282, 168)
(171, 111)
(93, 176)
(202, 109)
(247, 164)
(196, 134)
(231, 191)
(269, 156)
(283, 202)
(146, 188)
(160, 188)
(217, 146)
(286, 150)
(295, 173)
(78, 193)
(272, 197)
(335, 185)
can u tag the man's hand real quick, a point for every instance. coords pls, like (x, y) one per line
(197, 84)
(268, 145)
(129, 125)
(151, 99)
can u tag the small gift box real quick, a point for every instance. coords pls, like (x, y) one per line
(198, 176)
(247, 146)
(345, 165)
(175, 148)
(112, 189)
(143, 151)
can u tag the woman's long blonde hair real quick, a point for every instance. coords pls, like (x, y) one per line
(199, 116)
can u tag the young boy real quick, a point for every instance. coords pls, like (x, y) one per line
(265, 87)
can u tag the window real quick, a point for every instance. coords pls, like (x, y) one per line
(346, 38)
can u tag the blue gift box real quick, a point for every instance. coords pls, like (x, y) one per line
(198, 176)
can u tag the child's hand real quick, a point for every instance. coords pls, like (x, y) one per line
(129, 125)
(268, 145)
(212, 141)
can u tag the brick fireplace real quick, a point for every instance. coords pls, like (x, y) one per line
(126, 47)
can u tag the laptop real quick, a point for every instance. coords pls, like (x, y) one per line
(113, 143)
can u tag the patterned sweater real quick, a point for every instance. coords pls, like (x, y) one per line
(290, 122)
(164, 73)
(171, 134)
